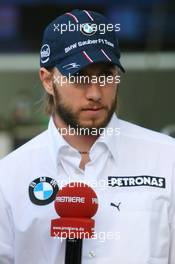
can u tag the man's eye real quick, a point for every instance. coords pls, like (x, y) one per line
(81, 79)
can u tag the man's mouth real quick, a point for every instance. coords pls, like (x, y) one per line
(95, 108)
(91, 111)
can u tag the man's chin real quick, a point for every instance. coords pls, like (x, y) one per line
(97, 123)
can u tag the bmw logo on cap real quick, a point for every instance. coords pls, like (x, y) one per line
(43, 190)
(88, 29)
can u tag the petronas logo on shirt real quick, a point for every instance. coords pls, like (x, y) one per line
(136, 181)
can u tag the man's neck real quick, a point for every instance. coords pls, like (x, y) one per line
(82, 143)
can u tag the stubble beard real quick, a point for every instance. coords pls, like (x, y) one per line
(71, 118)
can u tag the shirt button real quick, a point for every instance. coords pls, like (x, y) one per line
(92, 254)
(78, 172)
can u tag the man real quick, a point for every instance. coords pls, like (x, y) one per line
(130, 168)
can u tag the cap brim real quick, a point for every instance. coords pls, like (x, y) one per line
(76, 62)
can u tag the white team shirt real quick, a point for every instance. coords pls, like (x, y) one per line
(132, 173)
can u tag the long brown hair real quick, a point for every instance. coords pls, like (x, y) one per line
(48, 100)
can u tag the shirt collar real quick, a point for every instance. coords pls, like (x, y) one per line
(110, 139)
(111, 136)
(57, 142)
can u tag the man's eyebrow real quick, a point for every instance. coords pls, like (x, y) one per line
(107, 66)
(82, 72)
(112, 65)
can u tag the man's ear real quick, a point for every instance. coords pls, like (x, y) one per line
(46, 78)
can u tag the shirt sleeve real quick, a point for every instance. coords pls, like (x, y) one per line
(172, 246)
(172, 221)
(6, 233)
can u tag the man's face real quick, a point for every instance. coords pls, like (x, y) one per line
(87, 104)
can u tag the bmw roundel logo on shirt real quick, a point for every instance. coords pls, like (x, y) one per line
(43, 190)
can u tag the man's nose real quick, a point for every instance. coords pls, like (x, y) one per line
(93, 92)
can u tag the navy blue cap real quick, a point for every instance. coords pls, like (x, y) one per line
(78, 38)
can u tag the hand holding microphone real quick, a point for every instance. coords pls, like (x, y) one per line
(76, 204)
